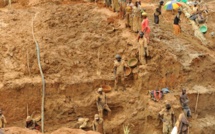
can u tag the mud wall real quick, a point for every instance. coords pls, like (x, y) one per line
(206, 103)
(14, 101)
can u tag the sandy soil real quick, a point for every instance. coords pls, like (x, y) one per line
(78, 42)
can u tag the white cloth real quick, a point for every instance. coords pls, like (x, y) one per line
(174, 130)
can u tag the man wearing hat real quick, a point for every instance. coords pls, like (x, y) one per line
(98, 124)
(119, 71)
(32, 124)
(143, 39)
(2, 120)
(102, 103)
(167, 117)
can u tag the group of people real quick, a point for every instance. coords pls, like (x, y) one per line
(166, 115)
(98, 123)
(197, 13)
(137, 20)
(30, 123)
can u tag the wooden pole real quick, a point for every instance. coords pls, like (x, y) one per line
(29, 71)
(197, 100)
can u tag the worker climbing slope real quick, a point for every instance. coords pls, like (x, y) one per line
(98, 124)
(119, 71)
(143, 39)
(102, 103)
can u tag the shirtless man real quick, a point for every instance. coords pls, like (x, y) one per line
(184, 103)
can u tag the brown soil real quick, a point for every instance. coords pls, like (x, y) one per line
(78, 42)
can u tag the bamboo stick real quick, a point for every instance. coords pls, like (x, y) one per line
(197, 100)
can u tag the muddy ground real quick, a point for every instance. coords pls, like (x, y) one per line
(78, 42)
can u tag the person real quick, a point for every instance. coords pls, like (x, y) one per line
(83, 122)
(1, 131)
(194, 13)
(128, 14)
(200, 18)
(176, 26)
(181, 125)
(2, 120)
(108, 3)
(119, 71)
(144, 36)
(166, 115)
(145, 26)
(32, 124)
(156, 95)
(139, 3)
(122, 11)
(143, 49)
(98, 125)
(161, 3)
(136, 13)
(102, 103)
(156, 15)
(184, 103)
(158, 12)
(115, 5)
(195, 8)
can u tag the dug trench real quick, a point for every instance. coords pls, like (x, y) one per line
(78, 58)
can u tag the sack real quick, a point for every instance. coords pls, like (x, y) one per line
(141, 34)
(174, 130)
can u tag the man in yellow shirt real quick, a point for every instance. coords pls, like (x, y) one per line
(167, 117)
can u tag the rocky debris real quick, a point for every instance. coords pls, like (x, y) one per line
(72, 131)
(18, 130)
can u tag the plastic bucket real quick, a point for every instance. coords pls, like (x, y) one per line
(203, 29)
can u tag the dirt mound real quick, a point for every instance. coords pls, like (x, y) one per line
(18, 130)
(72, 131)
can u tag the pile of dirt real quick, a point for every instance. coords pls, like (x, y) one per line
(17, 130)
(72, 131)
